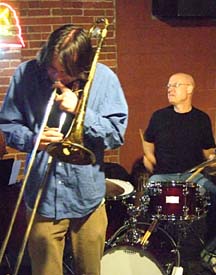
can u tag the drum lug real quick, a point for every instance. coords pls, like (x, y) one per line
(171, 217)
(159, 210)
(133, 211)
(185, 191)
(198, 212)
(185, 212)
(145, 200)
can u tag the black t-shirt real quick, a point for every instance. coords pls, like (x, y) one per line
(179, 139)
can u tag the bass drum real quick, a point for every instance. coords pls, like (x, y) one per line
(128, 260)
(123, 257)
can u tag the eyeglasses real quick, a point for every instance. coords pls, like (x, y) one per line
(177, 85)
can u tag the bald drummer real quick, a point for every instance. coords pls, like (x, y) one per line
(179, 136)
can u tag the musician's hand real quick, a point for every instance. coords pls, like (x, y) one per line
(211, 156)
(67, 99)
(49, 135)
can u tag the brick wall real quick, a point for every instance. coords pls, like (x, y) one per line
(38, 19)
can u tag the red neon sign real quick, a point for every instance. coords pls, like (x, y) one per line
(10, 30)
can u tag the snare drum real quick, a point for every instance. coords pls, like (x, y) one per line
(117, 195)
(175, 200)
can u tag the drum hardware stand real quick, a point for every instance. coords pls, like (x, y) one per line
(208, 256)
(8, 264)
(140, 207)
(132, 235)
(180, 233)
(68, 262)
(68, 269)
(183, 227)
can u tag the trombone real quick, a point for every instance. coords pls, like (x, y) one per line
(71, 149)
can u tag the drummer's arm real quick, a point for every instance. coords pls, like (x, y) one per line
(149, 159)
(209, 154)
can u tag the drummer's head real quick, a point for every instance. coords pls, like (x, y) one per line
(180, 88)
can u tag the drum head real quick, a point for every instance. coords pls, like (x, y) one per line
(118, 189)
(127, 260)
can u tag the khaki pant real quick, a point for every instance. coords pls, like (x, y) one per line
(47, 239)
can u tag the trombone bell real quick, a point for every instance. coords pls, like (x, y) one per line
(73, 153)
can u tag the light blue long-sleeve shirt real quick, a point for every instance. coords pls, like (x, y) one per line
(71, 190)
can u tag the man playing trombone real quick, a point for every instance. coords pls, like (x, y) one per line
(72, 201)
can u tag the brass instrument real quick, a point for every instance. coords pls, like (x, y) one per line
(70, 150)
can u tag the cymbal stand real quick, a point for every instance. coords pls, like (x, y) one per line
(67, 269)
(68, 263)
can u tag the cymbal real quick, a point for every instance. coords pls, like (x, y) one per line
(113, 189)
(202, 165)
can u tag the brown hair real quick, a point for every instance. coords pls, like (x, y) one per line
(72, 46)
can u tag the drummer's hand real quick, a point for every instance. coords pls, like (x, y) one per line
(67, 99)
(212, 156)
(49, 135)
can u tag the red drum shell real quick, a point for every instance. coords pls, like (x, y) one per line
(175, 200)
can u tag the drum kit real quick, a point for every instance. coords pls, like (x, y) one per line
(147, 222)
(137, 240)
